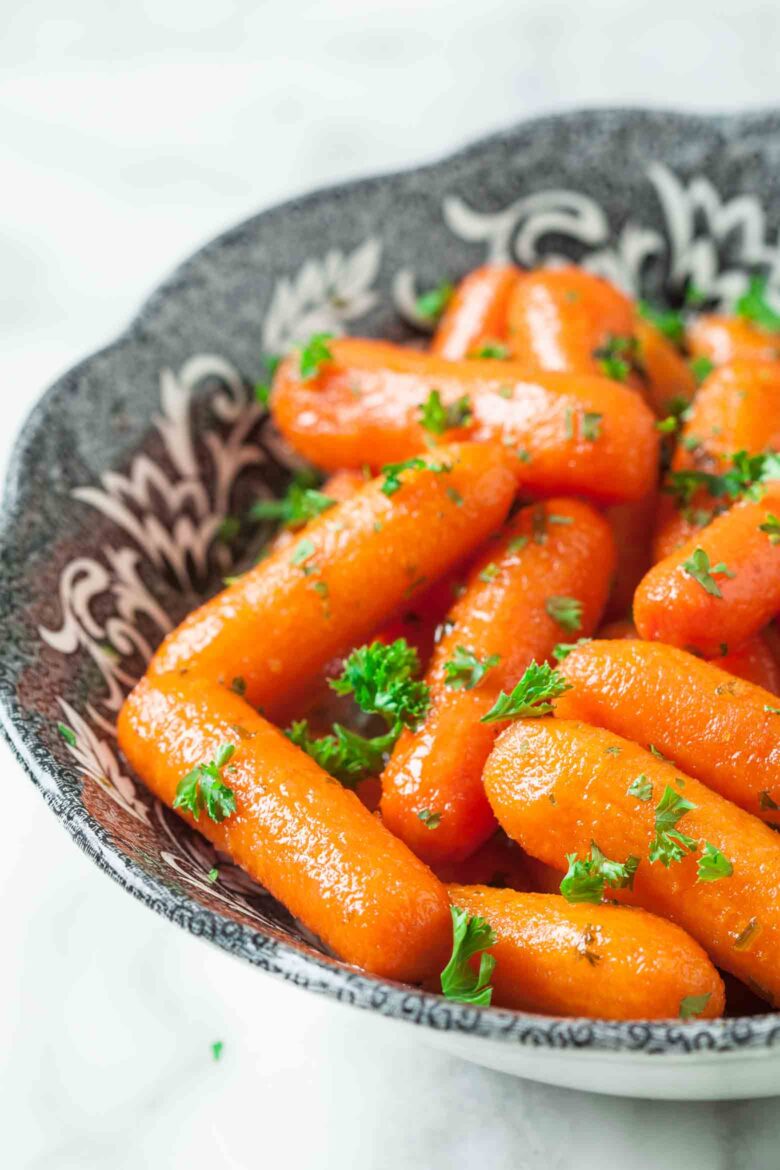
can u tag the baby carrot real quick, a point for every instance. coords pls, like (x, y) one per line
(722, 339)
(607, 962)
(375, 402)
(669, 380)
(567, 319)
(631, 526)
(476, 317)
(720, 729)
(352, 568)
(306, 839)
(558, 786)
(737, 409)
(721, 587)
(543, 580)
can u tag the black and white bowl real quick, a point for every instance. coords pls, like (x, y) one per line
(123, 476)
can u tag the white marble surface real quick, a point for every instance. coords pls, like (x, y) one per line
(130, 133)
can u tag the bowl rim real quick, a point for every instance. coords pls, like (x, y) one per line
(300, 963)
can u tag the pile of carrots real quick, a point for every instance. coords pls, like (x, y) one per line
(496, 712)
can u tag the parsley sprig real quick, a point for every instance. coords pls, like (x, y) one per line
(344, 754)
(464, 670)
(532, 696)
(713, 865)
(313, 355)
(300, 504)
(698, 566)
(436, 417)
(382, 679)
(753, 306)
(669, 844)
(459, 981)
(586, 879)
(744, 479)
(204, 788)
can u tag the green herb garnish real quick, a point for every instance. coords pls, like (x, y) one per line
(458, 979)
(713, 865)
(314, 354)
(566, 611)
(437, 417)
(586, 880)
(669, 844)
(532, 696)
(430, 305)
(698, 566)
(464, 670)
(204, 787)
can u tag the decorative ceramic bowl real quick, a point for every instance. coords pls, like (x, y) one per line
(123, 476)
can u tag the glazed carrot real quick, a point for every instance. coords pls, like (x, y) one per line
(304, 837)
(736, 409)
(557, 786)
(280, 623)
(720, 729)
(722, 339)
(477, 314)
(631, 526)
(559, 318)
(607, 962)
(543, 580)
(569, 432)
(669, 378)
(755, 660)
(690, 599)
(499, 863)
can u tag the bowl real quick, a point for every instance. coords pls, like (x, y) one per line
(126, 482)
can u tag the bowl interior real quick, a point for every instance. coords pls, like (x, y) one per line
(127, 494)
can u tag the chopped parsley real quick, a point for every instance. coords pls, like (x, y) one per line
(591, 425)
(314, 354)
(381, 677)
(204, 788)
(586, 880)
(743, 479)
(693, 1005)
(701, 368)
(430, 305)
(754, 307)
(492, 350)
(212, 875)
(392, 471)
(431, 820)
(566, 611)
(771, 527)
(642, 788)
(464, 670)
(669, 844)
(302, 551)
(713, 865)
(68, 734)
(617, 357)
(532, 696)
(263, 389)
(300, 504)
(489, 573)
(345, 754)
(437, 417)
(666, 321)
(562, 650)
(459, 981)
(216, 1049)
(698, 566)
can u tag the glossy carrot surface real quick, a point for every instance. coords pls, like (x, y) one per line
(477, 314)
(352, 568)
(559, 319)
(560, 549)
(723, 731)
(721, 339)
(684, 603)
(632, 526)
(567, 432)
(669, 380)
(556, 786)
(607, 962)
(298, 832)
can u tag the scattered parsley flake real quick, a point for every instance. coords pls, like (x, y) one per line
(314, 354)
(391, 471)
(642, 788)
(666, 321)
(591, 425)
(431, 820)
(693, 1005)
(771, 527)
(586, 880)
(566, 611)
(616, 357)
(436, 417)
(303, 550)
(464, 670)
(713, 865)
(562, 650)
(454, 495)
(458, 979)
(489, 573)
(532, 696)
(753, 306)
(216, 1049)
(658, 754)
(212, 875)
(701, 368)
(430, 305)
(300, 504)
(492, 350)
(698, 567)
(68, 734)
(204, 787)
(669, 844)
(517, 544)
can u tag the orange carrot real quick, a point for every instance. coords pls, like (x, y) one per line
(557, 786)
(722, 339)
(568, 432)
(737, 409)
(561, 318)
(477, 314)
(499, 863)
(611, 962)
(280, 623)
(720, 729)
(669, 379)
(721, 587)
(631, 526)
(543, 580)
(309, 841)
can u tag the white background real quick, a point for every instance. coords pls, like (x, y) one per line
(130, 133)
